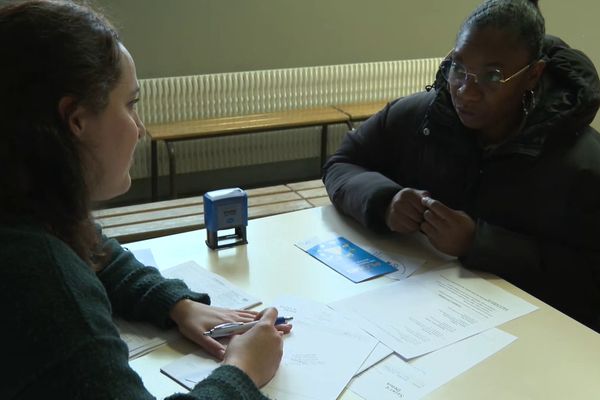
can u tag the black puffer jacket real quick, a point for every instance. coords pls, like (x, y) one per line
(535, 199)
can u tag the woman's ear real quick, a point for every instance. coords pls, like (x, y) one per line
(535, 74)
(72, 114)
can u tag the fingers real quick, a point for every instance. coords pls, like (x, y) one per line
(248, 313)
(414, 214)
(399, 223)
(405, 212)
(269, 315)
(438, 208)
(434, 220)
(450, 231)
(245, 316)
(283, 328)
(211, 346)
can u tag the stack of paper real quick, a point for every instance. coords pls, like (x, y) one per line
(321, 355)
(400, 341)
(441, 323)
(432, 310)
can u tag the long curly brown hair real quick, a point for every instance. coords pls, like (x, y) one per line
(49, 50)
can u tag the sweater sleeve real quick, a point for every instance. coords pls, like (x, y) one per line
(226, 382)
(139, 292)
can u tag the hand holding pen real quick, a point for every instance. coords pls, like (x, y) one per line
(258, 351)
(235, 328)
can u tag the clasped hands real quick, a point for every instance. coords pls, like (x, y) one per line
(450, 231)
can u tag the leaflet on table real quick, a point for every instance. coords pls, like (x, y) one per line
(393, 378)
(316, 362)
(429, 311)
(143, 338)
(355, 262)
(405, 265)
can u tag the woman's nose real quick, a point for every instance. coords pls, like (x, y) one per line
(140, 126)
(470, 90)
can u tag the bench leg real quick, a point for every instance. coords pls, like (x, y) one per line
(171, 152)
(324, 144)
(153, 170)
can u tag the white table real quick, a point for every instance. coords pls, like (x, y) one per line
(554, 356)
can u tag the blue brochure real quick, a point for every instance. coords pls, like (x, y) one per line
(348, 259)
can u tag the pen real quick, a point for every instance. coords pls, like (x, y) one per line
(234, 328)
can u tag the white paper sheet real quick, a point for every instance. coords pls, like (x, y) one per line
(379, 353)
(405, 265)
(429, 311)
(145, 256)
(222, 292)
(143, 338)
(394, 378)
(321, 354)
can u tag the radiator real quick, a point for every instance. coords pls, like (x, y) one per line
(215, 95)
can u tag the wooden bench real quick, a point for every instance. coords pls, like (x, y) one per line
(243, 124)
(145, 221)
(200, 106)
(360, 111)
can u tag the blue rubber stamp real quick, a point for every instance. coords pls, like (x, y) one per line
(225, 209)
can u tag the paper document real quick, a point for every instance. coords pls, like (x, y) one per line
(222, 292)
(394, 378)
(321, 354)
(379, 353)
(143, 338)
(429, 311)
(145, 256)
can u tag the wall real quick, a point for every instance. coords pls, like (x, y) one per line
(183, 37)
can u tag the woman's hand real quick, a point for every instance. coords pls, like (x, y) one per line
(448, 230)
(258, 352)
(193, 319)
(404, 214)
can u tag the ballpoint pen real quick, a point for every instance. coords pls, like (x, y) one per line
(234, 328)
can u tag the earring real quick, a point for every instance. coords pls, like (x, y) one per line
(528, 102)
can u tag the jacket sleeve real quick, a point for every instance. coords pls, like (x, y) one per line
(139, 292)
(358, 176)
(562, 268)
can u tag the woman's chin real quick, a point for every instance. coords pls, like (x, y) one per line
(104, 194)
(470, 121)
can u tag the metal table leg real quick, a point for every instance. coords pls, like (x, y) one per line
(172, 171)
(153, 170)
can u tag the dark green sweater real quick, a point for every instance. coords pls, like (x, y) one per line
(58, 335)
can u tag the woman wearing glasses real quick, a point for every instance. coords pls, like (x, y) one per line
(496, 163)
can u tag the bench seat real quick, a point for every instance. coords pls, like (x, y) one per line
(149, 220)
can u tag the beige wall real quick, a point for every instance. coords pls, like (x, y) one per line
(183, 37)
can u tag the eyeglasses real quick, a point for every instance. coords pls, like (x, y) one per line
(456, 74)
